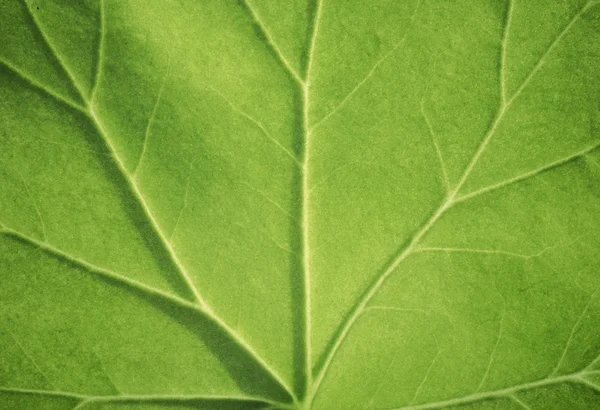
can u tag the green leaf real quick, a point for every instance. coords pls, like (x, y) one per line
(313, 204)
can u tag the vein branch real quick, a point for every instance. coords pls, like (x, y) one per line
(37, 209)
(100, 52)
(104, 273)
(372, 291)
(508, 18)
(572, 333)
(151, 120)
(372, 71)
(180, 267)
(270, 41)
(504, 106)
(257, 123)
(123, 398)
(29, 356)
(577, 378)
(493, 353)
(92, 114)
(55, 53)
(426, 376)
(96, 270)
(46, 90)
(146, 209)
(530, 174)
(437, 148)
(447, 203)
(519, 401)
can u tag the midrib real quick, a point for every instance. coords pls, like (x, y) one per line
(305, 195)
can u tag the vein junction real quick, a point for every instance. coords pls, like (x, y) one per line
(452, 199)
(90, 110)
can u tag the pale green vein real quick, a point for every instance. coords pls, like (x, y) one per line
(27, 78)
(553, 45)
(185, 201)
(123, 398)
(104, 273)
(130, 398)
(29, 356)
(589, 384)
(304, 207)
(505, 105)
(572, 333)
(493, 353)
(375, 308)
(530, 174)
(57, 55)
(383, 379)
(268, 199)
(100, 54)
(432, 134)
(577, 378)
(185, 275)
(51, 393)
(498, 251)
(35, 206)
(371, 292)
(74, 147)
(594, 162)
(505, 34)
(437, 148)
(97, 270)
(96, 121)
(151, 119)
(256, 122)
(108, 376)
(146, 208)
(427, 372)
(446, 204)
(333, 173)
(81, 405)
(519, 402)
(396, 309)
(168, 246)
(472, 250)
(370, 73)
(261, 25)
(593, 363)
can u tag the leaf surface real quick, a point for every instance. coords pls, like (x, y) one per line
(311, 204)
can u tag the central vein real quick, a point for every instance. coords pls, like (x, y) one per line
(304, 224)
(305, 195)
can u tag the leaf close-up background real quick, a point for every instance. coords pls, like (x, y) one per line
(307, 204)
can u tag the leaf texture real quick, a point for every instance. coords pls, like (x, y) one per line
(314, 204)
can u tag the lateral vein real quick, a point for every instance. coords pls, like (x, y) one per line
(39, 86)
(446, 204)
(527, 175)
(96, 121)
(94, 269)
(370, 73)
(501, 393)
(263, 28)
(89, 399)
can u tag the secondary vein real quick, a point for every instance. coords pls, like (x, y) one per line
(91, 112)
(263, 28)
(446, 204)
(123, 398)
